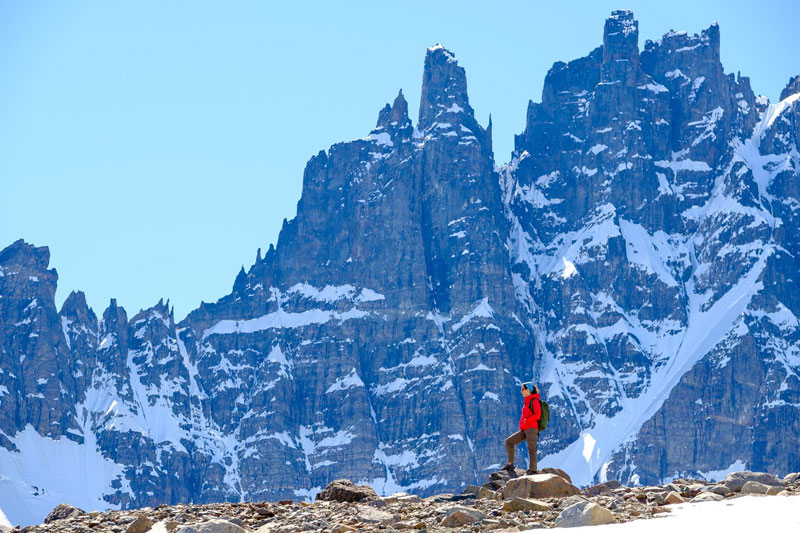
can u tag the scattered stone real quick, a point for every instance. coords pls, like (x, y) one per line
(62, 511)
(488, 494)
(341, 528)
(556, 471)
(370, 515)
(215, 525)
(525, 504)
(754, 487)
(471, 489)
(792, 478)
(142, 524)
(596, 490)
(584, 514)
(673, 498)
(707, 497)
(539, 486)
(571, 500)
(461, 516)
(722, 490)
(344, 490)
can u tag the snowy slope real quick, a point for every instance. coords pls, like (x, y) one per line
(749, 513)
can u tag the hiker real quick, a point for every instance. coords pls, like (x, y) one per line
(528, 428)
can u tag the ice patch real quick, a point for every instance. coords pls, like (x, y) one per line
(349, 381)
(483, 310)
(569, 269)
(281, 319)
(717, 475)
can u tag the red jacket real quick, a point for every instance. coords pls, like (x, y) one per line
(530, 419)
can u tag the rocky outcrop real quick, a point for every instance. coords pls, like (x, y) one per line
(438, 513)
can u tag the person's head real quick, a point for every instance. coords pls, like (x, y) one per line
(528, 388)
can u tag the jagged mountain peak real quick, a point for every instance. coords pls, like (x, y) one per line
(393, 123)
(75, 308)
(793, 87)
(24, 254)
(621, 37)
(444, 88)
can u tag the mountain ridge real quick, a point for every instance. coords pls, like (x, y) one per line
(649, 193)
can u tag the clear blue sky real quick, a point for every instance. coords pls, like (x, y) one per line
(154, 146)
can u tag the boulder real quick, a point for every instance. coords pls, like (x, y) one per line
(772, 491)
(584, 514)
(461, 516)
(673, 498)
(505, 475)
(556, 471)
(142, 524)
(216, 525)
(62, 511)
(736, 480)
(342, 528)
(539, 486)
(471, 489)
(792, 478)
(754, 487)
(344, 490)
(525, 504)
(371, 515)
(571, 500)
(707, 497)
(612, 484)
(488, 494)
(596, 490)
(722, 490)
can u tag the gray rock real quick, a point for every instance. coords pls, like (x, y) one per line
(215, 525)
(584, 514)
(344, 490)
(754, 487)
(736, 480)
(707, 497)
(370, 515)
(142, 524)
(489, 494)
(539, 486)
(792, 478)
(471, 489)
(460, 516)
(525, 504)
(722, 490)
(62, 511)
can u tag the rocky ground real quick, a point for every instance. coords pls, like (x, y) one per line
(508, 501)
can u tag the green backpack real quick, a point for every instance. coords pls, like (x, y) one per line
(545, 416)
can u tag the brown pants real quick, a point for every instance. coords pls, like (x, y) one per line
(529, 435)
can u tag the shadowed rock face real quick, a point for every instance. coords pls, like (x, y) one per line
(637, 256)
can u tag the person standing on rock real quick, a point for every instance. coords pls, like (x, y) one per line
(528, 428)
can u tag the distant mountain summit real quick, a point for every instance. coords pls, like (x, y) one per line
(638, 257)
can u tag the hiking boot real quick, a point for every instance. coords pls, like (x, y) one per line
(530, 472)
(509, 467)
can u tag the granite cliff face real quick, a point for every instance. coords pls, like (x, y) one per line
(638, 256)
